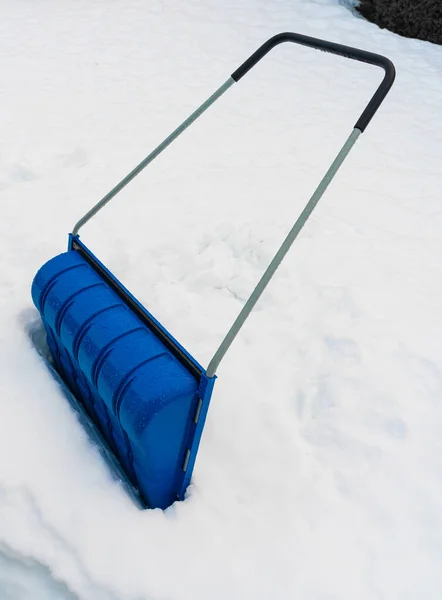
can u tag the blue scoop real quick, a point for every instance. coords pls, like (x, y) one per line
(147, 395)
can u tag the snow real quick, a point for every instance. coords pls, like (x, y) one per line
(319, 474)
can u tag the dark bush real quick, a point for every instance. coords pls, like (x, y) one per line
(420, 19)
(367, 9)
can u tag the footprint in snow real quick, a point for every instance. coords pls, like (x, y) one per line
(343, 348)
(75, 159)
(397, 428)
(19, 173)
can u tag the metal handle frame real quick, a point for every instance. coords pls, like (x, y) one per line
(360, 126)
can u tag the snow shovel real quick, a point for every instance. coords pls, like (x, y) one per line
(144, 392)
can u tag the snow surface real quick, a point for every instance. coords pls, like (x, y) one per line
(319, 475)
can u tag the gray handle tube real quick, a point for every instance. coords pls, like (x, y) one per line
(160, 148)
(285, 247)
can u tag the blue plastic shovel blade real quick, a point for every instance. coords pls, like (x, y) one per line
(144, 392)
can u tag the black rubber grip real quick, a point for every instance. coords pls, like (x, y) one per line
(347, 51)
